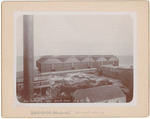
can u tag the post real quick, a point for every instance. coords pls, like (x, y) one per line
(113, 63)
(28, 56)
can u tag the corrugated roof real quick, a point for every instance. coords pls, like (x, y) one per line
(52, 61)
(88, 59)
(95, 56)
(63, 57)
(102, 58)
(98, 94)
(80, 57)
(76, 58)
(48, 56)
(71, 60)
(49, 59)
(108, 56)
(113, 58)
(41, 60)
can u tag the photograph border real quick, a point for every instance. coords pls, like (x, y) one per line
(139, 110)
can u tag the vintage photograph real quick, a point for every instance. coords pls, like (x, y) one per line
(74, 57)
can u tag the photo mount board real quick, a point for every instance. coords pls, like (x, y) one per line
(9, 107)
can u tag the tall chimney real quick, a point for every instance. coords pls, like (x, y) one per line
(28, 56)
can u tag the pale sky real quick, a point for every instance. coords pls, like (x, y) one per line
(79, 35)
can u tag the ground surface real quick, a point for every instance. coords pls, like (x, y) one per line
(63, 85)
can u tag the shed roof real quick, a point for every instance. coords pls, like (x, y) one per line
(71, 60)
(113, 58)
(95, 56)
(48, 56)
(102, 58)
(63, 57)
(88, 59)
(51, 61)
(80, 57)
(41, 60)
(48, 60)
(108, 56)
(44, 58)
(98, 94)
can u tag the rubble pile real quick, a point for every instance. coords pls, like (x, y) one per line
(62, 86)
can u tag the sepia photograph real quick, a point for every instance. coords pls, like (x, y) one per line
(75, 57)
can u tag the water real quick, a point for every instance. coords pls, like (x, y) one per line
(125, 61)
(19, 63)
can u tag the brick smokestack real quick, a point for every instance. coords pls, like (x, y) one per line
(28, 45)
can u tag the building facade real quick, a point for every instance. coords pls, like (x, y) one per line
(69, 62)
(49, 64)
